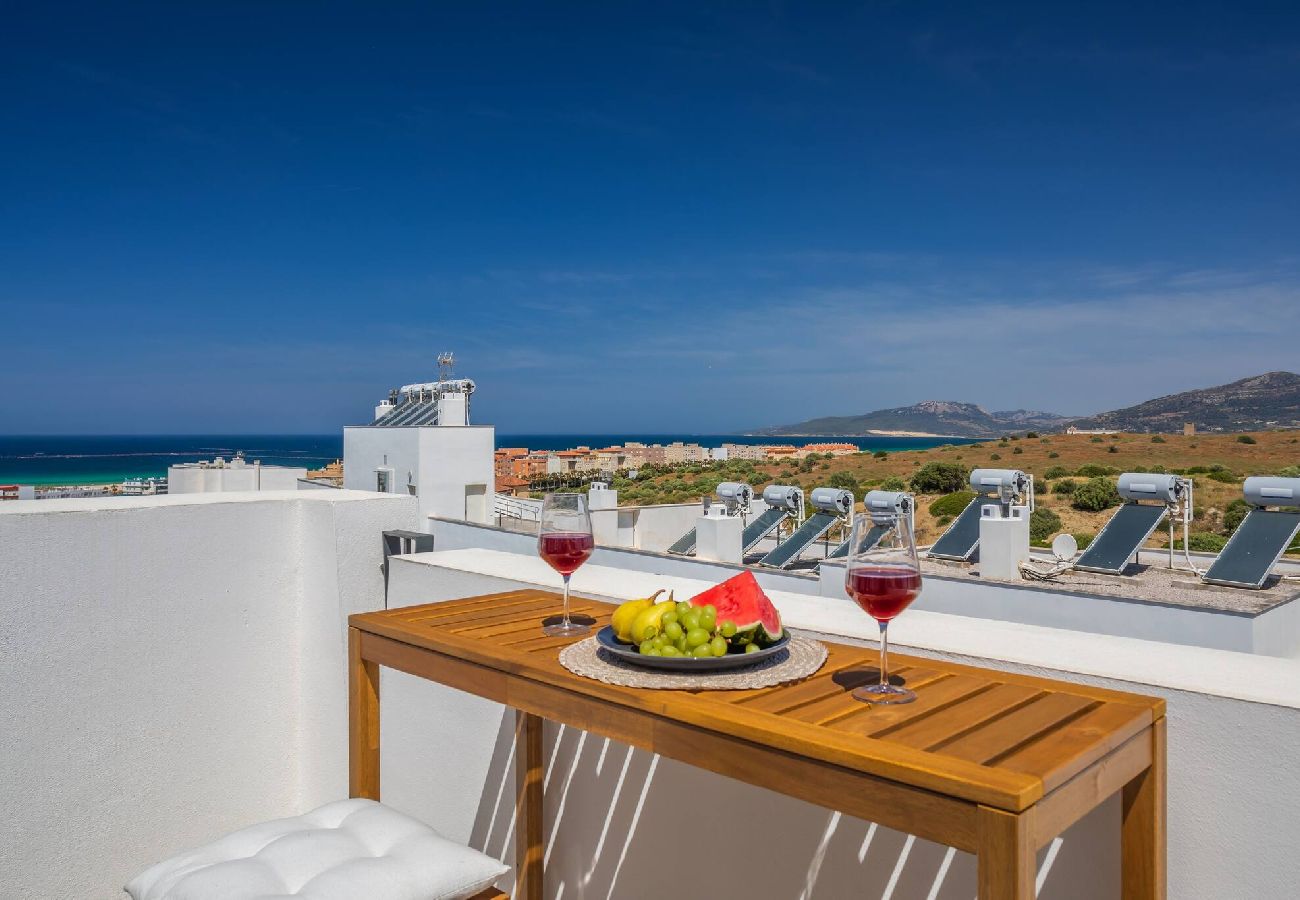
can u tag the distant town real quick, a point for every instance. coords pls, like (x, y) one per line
(518, 468)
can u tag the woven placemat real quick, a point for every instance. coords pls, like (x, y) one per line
(801, 658)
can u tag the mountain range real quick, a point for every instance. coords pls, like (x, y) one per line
(1271, 400)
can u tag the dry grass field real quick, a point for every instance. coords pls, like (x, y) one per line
(1271, 452)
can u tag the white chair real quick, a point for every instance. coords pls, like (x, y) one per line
(349, 850)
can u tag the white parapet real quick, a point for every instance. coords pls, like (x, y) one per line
(718, 538)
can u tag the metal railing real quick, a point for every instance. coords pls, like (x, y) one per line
(522, 508)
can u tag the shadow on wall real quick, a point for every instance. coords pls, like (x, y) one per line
(622, 824)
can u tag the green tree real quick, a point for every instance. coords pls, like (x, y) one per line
(1043, 523)
(939, 478)
(845, 481)
(1095, 494)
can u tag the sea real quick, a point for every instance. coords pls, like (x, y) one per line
(107, 459)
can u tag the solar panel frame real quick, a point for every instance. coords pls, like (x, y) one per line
(761, 527)
(1259, 526)
(967, 521)
(684, 545)
(873, 537)
(1130, 521)
(786, 552)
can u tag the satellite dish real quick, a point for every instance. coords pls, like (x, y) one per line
(1064, 546)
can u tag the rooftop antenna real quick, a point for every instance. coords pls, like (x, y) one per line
(445, 362)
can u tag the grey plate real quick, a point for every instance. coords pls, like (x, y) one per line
(629, 654)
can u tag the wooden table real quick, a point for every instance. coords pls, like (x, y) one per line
(993, 763)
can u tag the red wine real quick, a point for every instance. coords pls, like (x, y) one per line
(565, 551)
(883, 592)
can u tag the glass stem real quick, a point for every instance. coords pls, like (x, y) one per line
(566, 600)
(884, 654)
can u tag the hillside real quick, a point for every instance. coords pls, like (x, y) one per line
(1220, 461)
(1271, 400)
(936, 417)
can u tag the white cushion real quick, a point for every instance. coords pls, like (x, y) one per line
(349, 850)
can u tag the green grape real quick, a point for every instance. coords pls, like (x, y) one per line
(668, 618)
(649, 633)
(719, 645)
(647, 646)
(728, 629)
(680, 643)
(695, 637)
(670, 650)
(708, 619)
(702, 651)
(673, 631)
(710, 609)
(655, 651)
(691, 620)
(751, 648)
(682, 609)
(662, 641)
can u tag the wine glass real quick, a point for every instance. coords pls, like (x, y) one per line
(564, 540)
(883, 577)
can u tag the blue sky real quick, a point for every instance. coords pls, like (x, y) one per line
(658, 217)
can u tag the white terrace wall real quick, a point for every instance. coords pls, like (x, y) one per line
(615, 816)
(172, 668)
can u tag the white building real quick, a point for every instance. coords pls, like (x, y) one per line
(219, 475)
(422, 444)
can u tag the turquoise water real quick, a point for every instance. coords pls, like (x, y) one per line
(105, 459)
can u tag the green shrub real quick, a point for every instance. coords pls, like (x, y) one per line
(1017, 451)
(995, 456)
(1245, 439)
(1065, 486)
(1112, 449)
(845, 481)
(939, 478)
(1096, 440)
(952, 504)
(1055, 472)
(1083, 539)
(1233, 515)
(893, 483)
(943, 521)
(1223, 477)
(1157, 439)
(1095, 494)
(754, 479)
(1031, 434)
(1043, 523)
(1290, 472)
(1053, 455)
(1091, 470)
(1206, 541)
(824, 467)
(880, 454)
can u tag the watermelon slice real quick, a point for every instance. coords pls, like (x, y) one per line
(742, 601)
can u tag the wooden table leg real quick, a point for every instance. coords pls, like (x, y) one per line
(1143, 848)
(1007, 855)
(528, 806)
(363, 721)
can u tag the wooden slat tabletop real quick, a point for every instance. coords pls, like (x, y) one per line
(995, 738)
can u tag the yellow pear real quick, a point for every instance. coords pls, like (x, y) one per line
(648, 622)
(626, 614)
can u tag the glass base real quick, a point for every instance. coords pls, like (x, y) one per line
(883, 693)
(565, 629)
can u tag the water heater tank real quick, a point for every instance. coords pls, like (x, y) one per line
(1261, 490)
(885, 507)
(832, 500)
(990, 481)
(1150, 486)
(782, 496)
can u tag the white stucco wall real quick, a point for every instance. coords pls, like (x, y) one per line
(172, 668)
(449, 468)
(247, 477)
(613, 815)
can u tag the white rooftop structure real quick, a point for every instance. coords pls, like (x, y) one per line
(236, 474)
